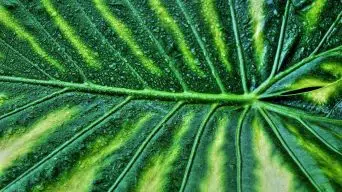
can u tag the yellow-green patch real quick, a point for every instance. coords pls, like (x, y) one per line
(3, 98)
(271, 171)
(330, 166)
(328, 88)
(88, 55)
(11, 23)
(211, 17)
(91, 163)
(167, 20)
(334, 68)
(2, 56)
(307, 82)
(154, 177)
(126, 35)
(313, 14)
(321, 96)
(215, 178)
(256, 10)
(15, 145)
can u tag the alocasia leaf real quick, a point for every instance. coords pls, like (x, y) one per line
(170, 95)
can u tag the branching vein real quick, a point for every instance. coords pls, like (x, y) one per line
(145, 93)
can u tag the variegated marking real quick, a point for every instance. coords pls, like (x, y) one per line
(334, 68)
(271, 171)
(167, 20)
(89, 165)
(329, 88)
(321, 96)
(330, 166)
(211, 17)
(314, 13)
(87, 54)
(256, 10)
(215, 178)
(154, 177)
(11, 23)
(13, 146)
(127, 36)
(308, 82)
(3, 98)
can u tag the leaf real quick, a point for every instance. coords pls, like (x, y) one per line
(155, 95)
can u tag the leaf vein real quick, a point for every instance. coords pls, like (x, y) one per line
(114, 50)
(288, 150)
(33, 103)
(239, 47)
(327, 34)
(238, 149)
(308, 127)
(68, 142)
(81, 72)
(281, 40)
(195, 146)
(27, 60)
(171, 62)
(204, 50)
(144, 145)
(145, 93)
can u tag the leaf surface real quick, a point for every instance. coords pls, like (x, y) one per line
(159, 95)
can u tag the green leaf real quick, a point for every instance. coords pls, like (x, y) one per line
(157, 95)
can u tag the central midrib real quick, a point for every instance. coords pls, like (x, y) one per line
(144, 93)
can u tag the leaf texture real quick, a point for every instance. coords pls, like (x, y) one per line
(160, 95)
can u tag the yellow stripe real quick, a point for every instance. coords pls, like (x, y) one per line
(125, 34)
(330, 166)
(308, 82)
(214, 180)
(256, 11)
(13, 146)
(334, 68)
(271, 171)
(322, 96)
(329, 88)
(171, 24)
(88, 55)
(212, 19)
(314, 13)
(8, 21)
(154, 177)
(89, 165)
